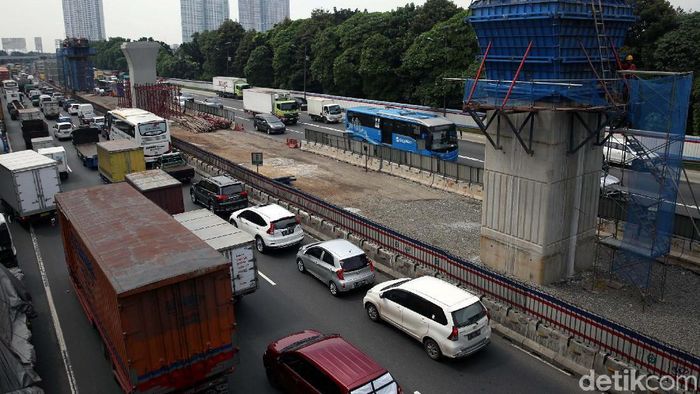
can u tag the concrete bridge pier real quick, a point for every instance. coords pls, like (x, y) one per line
(141, 57)
(539, 211)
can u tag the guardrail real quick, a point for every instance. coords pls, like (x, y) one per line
(211, 110)
(639, 350)
(457, 171)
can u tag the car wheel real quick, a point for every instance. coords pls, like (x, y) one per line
(300, 265)
(260, 244)
(333, 288)
(211, 206)
(255, 126)
(268, 131)
(432, 349)
(193, 197)
(271, 378)
(372, 312)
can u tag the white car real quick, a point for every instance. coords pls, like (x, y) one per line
(619, 151)
(447, 320)
(63, 130)
(271, 225)
(73, 109)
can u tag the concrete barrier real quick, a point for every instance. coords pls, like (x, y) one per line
(356, 239)
(304, 217)
(404, 266)
(371, 249)
(263, 198)
(340, 232)
(386, 257)
(316, 222)
(327, 228)
(580, 354)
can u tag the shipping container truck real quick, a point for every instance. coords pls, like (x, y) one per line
(262, 101)
(175, 165)
(33, 126)
(117, 158)
(231, 87)
(57, 153)
(14, 107)
(324, 110)
(159, 187)
(28, 184)
(85, 140)
(237, 246)
(159, 297)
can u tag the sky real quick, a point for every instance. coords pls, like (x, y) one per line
(160, 19)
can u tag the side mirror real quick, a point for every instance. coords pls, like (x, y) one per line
(382, 295)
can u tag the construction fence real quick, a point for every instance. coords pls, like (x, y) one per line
(211, 110)
(449, 169)
(634, 348)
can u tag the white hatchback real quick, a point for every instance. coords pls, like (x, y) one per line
(447, 320)
(63, 130)
(271, 225)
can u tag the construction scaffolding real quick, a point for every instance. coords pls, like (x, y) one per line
(74, 63)
(160, 98)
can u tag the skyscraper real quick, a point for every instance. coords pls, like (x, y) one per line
(84, 19)
(262, 15)
(201, 15)
(38, 45)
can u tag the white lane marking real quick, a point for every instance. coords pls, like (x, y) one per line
(54, 316)
(266, 278)
(471, 158)
(540, 358)
(322, 127)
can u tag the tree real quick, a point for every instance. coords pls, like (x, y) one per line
(655, 18)
(258, 70)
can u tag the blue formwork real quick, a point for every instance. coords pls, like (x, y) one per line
(76, 65)
(557, 28)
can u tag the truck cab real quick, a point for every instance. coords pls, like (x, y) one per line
(238, 89)
(286, 109)
(8, 253)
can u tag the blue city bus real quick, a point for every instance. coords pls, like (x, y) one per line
(411, 131)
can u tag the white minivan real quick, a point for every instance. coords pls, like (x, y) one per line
(85, 113)
(447, 320)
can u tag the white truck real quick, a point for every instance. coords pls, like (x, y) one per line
(236, 245)
(324, 110)
(57, 153)
(264, 101)
(232, 87)
(51, 109)
(28, 183)
(42, 142)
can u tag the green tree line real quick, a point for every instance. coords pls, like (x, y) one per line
(400, 55)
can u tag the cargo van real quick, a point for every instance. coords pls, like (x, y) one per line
(85, 113)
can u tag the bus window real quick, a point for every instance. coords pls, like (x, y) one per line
(442, 138)
(150, 129)
(125, 127)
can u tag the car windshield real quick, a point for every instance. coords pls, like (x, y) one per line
(334, 109)
(285, 223)
(275, 122)
(231, 189)
(384, 384)
(64, 127)
(443, 138)
(354, 263)
(469, 315)
(288, 106)
(153, 128)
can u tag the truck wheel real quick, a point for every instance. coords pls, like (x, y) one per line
(193, 197)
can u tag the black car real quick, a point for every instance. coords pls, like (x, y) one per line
(301, 102)
(220, 194)
(269, 124)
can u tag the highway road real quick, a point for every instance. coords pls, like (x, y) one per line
(286, 301)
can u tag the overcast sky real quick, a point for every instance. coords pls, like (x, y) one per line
(160, 19)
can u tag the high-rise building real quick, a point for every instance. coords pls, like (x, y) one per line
(201, 15)
(84, 19)
(262, 15)
(38, 45)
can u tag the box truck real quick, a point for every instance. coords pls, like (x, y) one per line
(51, 109)
(263, 101)
(231, 87)
(159, 187)
(234, 244)
(28, 183)
(117, 158)
(159, 297)
(33, 126)
(324, 110)
(57, 153)
(42, 142)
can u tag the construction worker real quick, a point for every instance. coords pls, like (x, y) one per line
(628, 63)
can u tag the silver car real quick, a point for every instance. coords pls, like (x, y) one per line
(338, 263)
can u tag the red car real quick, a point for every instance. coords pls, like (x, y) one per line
(310, 362)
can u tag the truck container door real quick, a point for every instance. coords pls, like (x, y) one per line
(28, 191)
(50, 185)
(243, 272)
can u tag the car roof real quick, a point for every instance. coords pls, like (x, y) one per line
(341, 248)
(267, 116)
(344, 362)
(439, 291)
(223, 180)
(272, 211)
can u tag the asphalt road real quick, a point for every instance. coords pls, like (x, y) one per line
(289, 302)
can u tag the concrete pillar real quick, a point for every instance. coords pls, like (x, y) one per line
(539, 212)
(141, 57)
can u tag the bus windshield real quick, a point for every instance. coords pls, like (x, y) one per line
(444, 138)
(153, 128)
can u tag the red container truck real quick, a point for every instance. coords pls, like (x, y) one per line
(159, 297)
(159, 187)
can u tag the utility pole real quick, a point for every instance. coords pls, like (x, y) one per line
(444, 83)
(306, 58)
(228, 56)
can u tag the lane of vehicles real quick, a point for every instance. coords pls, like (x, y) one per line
(410, 131)
(159, 297)
(262, 101)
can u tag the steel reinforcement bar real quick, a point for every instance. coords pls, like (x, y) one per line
(637, 349)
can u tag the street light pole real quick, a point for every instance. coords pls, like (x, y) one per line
(228, 55)
(306, 58)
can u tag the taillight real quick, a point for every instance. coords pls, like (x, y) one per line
(340, 273)
(297, 220)
(454, 335)
(371, 265)
(244, 194)
(221, 197)
(488, 314)
(271, 230)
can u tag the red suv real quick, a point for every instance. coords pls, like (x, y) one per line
(310, 362)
